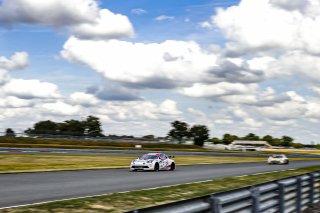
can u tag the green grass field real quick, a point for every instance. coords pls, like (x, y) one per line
(12, 163)
(86, 144)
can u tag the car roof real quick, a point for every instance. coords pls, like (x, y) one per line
(158, 153)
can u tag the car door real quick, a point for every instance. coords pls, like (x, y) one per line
(164, 161)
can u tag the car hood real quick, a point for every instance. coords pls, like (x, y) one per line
(140, 161)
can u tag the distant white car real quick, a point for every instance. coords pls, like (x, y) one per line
(278, 159)
(153, 161)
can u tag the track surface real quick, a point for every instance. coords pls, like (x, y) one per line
(27, 188)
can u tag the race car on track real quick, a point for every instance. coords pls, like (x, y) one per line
(154, 162)
(278, 159)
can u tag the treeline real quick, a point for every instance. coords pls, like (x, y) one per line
(199, 133)
(274, 141)
(91, 126)
(181, 131)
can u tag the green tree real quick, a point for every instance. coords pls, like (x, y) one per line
(179, 130)
(93, 126)
(267, 138)
(148, 137)
(251, 137)
(298, 145)
(10, 133)
(228, 138)
(276, 142)
(72, 127)
(216, 140)
(287, 141)
(200, 133)
(43, 127)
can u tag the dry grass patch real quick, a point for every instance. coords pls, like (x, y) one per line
(11, 163)
(294, 151)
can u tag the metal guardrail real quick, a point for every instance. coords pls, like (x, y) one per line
(288, 195)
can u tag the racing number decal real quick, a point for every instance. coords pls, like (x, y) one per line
(164, 163)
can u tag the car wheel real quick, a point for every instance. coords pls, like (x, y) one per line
(287, 162)
(172, 167)
(156, 167)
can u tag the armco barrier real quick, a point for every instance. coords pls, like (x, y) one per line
(288, 195)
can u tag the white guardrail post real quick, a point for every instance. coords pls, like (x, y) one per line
(311, 192)
(299, 195)
(281, 197)
(215, 204)
(255, 194)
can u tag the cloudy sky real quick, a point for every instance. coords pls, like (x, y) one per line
(235, 66)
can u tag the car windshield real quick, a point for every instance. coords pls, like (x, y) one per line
(148, 157)
(277, 156)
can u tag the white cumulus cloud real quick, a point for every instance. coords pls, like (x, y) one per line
(84, 99)
(258, 25)
(55, 13)
(14, 102)
(154, 65)
(219, 89)
(107, 26)
(18, 60)
(28, 89)
(59, 108)
(83, 18)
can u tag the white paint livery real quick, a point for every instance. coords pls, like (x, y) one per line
(278, 159)
(153, 162)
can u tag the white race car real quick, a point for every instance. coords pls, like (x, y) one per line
(153, 161)
(278, 159)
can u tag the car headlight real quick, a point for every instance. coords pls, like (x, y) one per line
(133, 161)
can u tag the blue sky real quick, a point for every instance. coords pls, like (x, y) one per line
(235, 66)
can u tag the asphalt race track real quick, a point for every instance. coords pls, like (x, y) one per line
(27, 188)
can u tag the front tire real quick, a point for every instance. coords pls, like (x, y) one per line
(173, 166)
(156, 167)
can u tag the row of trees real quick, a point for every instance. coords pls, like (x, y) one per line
(283, 141)
(199, 133)
(91, 126)
(181, 131)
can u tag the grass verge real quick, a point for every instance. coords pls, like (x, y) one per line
(13, 163)
(120, 202)
(87, 144)
(293, 151)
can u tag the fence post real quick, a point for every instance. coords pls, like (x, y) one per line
(255, 194)
(281, 197)
(311, 191)
(215, 204)
(299, 195)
